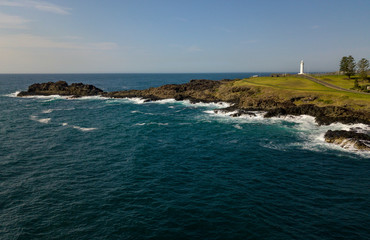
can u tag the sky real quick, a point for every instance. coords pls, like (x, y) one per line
(181, 36)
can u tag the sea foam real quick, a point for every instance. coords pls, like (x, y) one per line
(15, 94)
(83, 129)
(304, 126)
(48, 111)
(213, 105)
(40, 120)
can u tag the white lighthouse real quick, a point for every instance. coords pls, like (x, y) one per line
(302, 68)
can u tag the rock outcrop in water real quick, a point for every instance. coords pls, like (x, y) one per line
(195, 91)
(61, 88)
(349, 139)
(323, 115)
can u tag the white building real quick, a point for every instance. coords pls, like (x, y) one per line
(302, 68)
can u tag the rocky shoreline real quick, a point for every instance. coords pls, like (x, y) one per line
(244, 100)
(348, 139)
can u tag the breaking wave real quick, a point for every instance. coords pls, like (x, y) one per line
(213, 105)
(15, 94)
(40, 120)
(83, 129)
(304, 126)
(151, 123)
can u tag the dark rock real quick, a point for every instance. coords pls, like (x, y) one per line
(348, 139)
(61, 88)
(194, 91)
(323, 115)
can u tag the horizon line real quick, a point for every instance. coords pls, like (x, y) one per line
(290, 72)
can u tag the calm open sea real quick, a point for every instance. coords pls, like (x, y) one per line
(95, 168)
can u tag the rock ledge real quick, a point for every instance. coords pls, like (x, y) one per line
(348, 139)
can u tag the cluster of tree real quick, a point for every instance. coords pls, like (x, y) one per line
(348, 66)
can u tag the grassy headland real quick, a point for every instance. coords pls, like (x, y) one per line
(290, 95)
(298, 90)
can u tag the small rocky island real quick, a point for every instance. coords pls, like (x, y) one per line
(61, 88)
(244, 100)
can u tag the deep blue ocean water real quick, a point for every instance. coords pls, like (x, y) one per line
(95, 168)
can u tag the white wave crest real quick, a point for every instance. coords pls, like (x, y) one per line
(166, 101)
(208, 105)
(50, 97)
(151, 123)
(48, 111)
(237, 126)
(252, 117)
(14, 94)
(89, 98)
(136, 100)
(40, 120)
(142, 112)
(83, 129)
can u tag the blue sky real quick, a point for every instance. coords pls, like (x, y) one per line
(148, 36)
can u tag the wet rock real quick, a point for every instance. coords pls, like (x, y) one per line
(348, 139)
(323, 115)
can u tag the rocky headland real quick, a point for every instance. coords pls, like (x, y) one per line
(244, 99)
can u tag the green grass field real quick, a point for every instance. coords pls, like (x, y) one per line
(342, 81)
(284, 88)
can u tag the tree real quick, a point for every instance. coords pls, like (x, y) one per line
(348, 66)
(363, 67)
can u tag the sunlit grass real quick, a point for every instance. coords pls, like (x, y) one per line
(285, 88)
(342, 80)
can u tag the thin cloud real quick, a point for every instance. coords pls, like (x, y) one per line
(315, 27)
(13, 22)
(32, 41)
(38, 5)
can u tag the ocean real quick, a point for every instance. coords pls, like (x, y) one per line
(100, 168)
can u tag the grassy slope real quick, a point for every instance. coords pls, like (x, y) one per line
(286, 88)
(341, 80)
